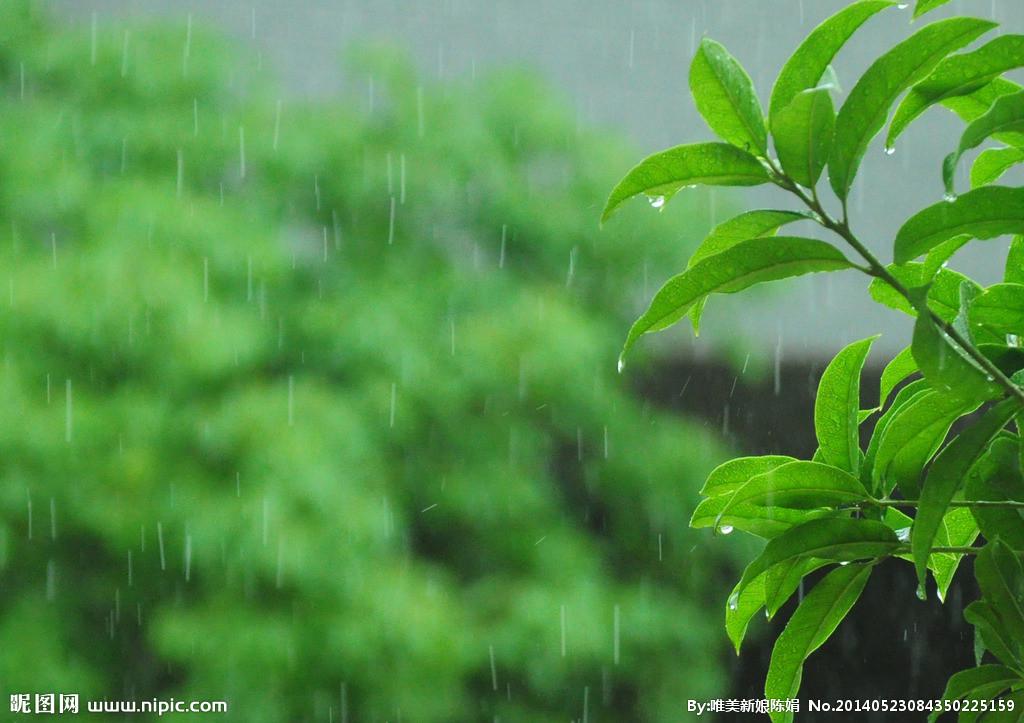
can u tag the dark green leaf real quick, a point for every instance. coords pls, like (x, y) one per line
(836, 406)
(997, 477)
(948, 472)
(803, 135)
(982, 683)
(725, 96)
(958, 75)
(866, 108)
(809, 62)
(946, 365)
(912, 435)
(992, 163)
(664, 173)
(1005, 116)
(818, 615)
(1000, 308)
(999, 574)
(901, 367)
(983, 213)
(989, 627)
(744, 265)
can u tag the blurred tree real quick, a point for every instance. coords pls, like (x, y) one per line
(313, 407)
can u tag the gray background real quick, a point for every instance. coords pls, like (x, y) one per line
(624, 65)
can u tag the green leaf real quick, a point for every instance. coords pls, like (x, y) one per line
(912, 435)
(728, 476)
(958, 75)
(818, 615)
(958, 529)
(800, 484)
(752, 224)
(926, 6)
(901, 367)
(1000, 309)
(943, 292)
(809, 62)
(983, 213)
(766, 522)
(725, 96)
(1005, 116)
(946, 365)
(840, 539)
(905, 395)
(740, 267)
(942, 253)
(664, 173)
(992, 632)
(836, 406)
(947, 473)
(866, 108)
(974, 105)
(803, 135)
(997, 477)
(992, 163)
(741, 608)
(781, 581)
(1001, 580)
(985, 682)
(1015, 262)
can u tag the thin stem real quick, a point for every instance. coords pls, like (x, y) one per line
(1005, 504)
(877, 269)
(950, 550)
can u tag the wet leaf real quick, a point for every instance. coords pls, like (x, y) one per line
(1005, 116)
(946, 365)
(1000, 309)
(983, 213)
(740, 267)
(725, 96)
(800, 484)
(992, 163)
(802, 132)
(808, 64)
(837, 404)
(947, 474)
(985, 682)
(818, 615)
(901, 367)
(664, 173)
(728, 476)
(867, 106)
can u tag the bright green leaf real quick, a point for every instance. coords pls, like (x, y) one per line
(725, 96)
(974, 105)
(766, 522)
(840, 539)
(664, 173)
(800, 484)
(947, 474)
(866, 108)
(818, 615)
(983, 213)
(802, 132)
(836, 406)
(782, 580)
(943, 294)
(744, 265)
(752, 224)
(901, 367)
(992, 163)
(926, 6)
(958, 75)
(1005, 116)
(958, 529)
(809, 62)
(1015, 262)
(741, 608)
(726, 477)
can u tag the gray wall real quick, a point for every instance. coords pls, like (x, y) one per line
(624, 64)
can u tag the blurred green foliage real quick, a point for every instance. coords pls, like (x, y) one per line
(313, 408)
